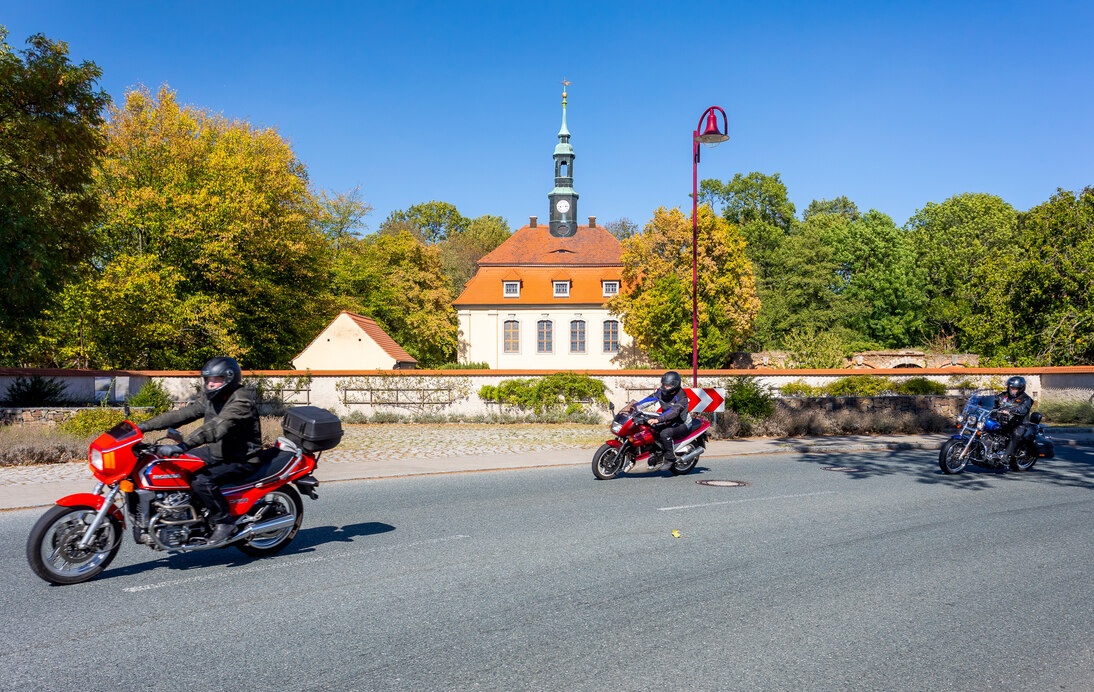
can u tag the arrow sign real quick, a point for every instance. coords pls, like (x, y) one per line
(702, 400)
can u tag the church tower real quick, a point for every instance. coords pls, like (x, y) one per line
(563, 199)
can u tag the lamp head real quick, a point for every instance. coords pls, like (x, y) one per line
(712, 134)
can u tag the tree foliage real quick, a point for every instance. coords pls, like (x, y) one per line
(50, 113)
(655, 304)
(461, 250)
(436, 220)
(226, 208)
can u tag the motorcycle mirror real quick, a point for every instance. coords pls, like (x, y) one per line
(611, 406)
(173, 434)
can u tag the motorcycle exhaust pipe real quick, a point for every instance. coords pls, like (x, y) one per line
(271, 525)
(690, 455)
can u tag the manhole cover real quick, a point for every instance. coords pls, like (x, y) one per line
(724, 484)
(845, 469)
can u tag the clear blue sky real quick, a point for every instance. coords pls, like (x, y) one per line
(892, 104)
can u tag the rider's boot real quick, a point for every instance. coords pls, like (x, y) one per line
(221, 533)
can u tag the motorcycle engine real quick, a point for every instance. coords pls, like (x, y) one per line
(175, 507)
(172, 519)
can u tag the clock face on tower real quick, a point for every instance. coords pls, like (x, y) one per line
(562, 206)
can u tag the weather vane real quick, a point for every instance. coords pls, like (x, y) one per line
(564, 85)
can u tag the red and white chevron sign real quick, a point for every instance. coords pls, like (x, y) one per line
(706, 400)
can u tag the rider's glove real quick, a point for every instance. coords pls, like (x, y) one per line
(168, 451)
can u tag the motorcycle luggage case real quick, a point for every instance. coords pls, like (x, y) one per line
(1045, 448)
(312, 428)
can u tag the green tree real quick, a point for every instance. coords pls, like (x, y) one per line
(228, 208)
(878, 277)
(50, 141)
(655, 305)
(622, 228)
(759, 206)
(437, 220)
(1033, 304)
(952, 240)
(341, 216)
(398, 281)
(840, 206)
(461, 250)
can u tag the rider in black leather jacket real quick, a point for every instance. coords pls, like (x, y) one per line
(1017, 405)
(230, 438)
(672, 422)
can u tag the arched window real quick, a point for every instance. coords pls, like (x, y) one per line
(543, 336)
(611, 336)
(577, 336)
(511, 336)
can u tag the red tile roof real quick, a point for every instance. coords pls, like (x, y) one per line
(589, 246)
(536, 286)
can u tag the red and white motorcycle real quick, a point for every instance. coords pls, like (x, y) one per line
(78, 538)
(635, 443)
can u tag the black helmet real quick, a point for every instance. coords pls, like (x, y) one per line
(670, 381)
(225, 368)
(1018, 383)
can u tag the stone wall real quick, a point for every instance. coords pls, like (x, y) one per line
(48, 416)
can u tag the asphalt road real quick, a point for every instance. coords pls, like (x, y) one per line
(891, 577)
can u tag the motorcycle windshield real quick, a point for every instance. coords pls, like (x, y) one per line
(981, 399)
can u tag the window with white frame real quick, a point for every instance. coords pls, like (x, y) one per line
(611, 288)
(611, 336)
(562, 289)
(511, 336)
(543, 336)
(512, 289)
(577, 336)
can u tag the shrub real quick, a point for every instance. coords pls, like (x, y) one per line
(1074, 412)
(800, 388)
(35, 391)
(465, 366)
(748, 398)
(860, 385)
(154, 395)
(90, 421)
(920, 386)
(549, 393)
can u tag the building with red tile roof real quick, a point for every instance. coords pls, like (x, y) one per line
(353, 342)
(537, 301)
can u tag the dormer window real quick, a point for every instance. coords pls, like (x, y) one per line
(511, 289)
(611, 288)
(562, 289)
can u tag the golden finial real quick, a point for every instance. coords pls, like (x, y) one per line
(564, 85)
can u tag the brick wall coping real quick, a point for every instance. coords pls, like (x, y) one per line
(905, 372)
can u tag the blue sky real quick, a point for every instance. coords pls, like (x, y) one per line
(892, 104)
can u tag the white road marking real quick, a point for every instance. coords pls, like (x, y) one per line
(282, 564)
(749, 499)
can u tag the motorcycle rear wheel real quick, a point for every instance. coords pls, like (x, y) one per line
(607, 462)
(52, 545)
(948, 457)
(286, 501)
(1023, 460)
(679, 469)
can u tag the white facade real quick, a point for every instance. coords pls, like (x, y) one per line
(344, 345)
(482, 337)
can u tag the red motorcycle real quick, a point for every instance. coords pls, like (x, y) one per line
(76, 539)
(635, 440)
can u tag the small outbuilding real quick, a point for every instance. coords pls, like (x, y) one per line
(353, 342)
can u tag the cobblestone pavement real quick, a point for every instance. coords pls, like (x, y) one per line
(395, 441)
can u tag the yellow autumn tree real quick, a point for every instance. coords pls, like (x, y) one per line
(226, 209)
(655, 304)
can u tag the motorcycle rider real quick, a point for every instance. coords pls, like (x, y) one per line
(1016, 404)
(674, 417)
(231, 433)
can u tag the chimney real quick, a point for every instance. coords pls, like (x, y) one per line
(592, 222)
(532, 221)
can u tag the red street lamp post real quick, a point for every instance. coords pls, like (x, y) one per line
(711, 136)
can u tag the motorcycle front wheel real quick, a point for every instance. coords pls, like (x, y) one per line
(283, 501)
(53, 545)
(948, 457)
(607, 462)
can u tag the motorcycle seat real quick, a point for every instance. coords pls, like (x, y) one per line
(271, 462)
(694, 425)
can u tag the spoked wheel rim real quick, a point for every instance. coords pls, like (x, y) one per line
(610, 462)
(1023, 460)
(59, 546)
(953, 460)
(283, 506)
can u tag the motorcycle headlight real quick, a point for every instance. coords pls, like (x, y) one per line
(96, 459)
(616, 427)
(980, 425)
(960, 420)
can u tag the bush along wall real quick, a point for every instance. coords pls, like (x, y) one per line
(561, 391)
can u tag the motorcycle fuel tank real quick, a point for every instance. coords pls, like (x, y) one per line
(168, 474)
